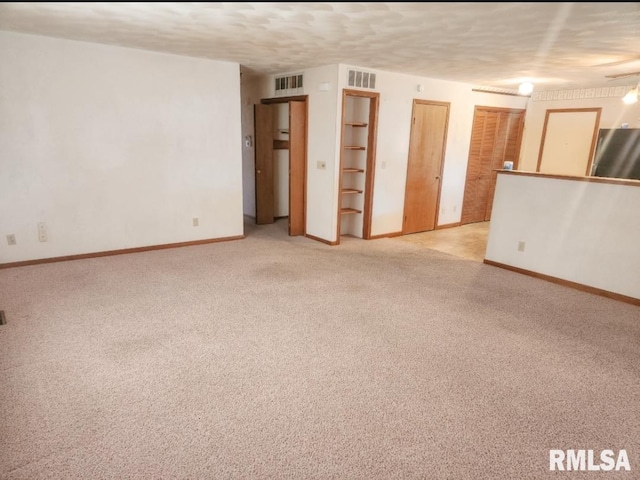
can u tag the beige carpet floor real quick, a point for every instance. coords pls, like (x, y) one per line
(283, 358)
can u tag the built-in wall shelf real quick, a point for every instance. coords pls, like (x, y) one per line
(357, 160)
(354, 147)
(346, 211)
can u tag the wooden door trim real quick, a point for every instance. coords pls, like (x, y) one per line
(295, 98)
(594, 138)
(305, 99)
(304, 166)
(417, 101)
(371, 163)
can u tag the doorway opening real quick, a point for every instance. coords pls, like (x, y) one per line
(280, 162)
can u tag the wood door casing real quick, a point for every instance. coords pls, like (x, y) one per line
(263, 116)
(367, 210)
(297, 162)
(496, 137)
(429, 122)
(568, 141)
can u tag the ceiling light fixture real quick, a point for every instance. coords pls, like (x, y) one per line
(632, 95)
(525, 88)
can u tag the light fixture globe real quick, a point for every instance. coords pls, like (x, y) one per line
(525, 88)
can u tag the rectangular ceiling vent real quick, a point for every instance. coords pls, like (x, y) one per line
(289, 84)
(361, 79)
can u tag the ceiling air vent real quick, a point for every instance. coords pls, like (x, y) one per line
(289, 85)
(361, 79)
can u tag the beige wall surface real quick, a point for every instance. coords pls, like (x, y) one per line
(114, 148)
(583, 232)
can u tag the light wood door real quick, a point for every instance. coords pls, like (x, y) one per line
(263, 116)
(424, 171)
(297, 162)
(495, 138)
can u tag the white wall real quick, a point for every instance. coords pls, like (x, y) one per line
(250, 96)
(397, 92)
(114, 148)
(583, 232)
(614, 114)
(281, 162)
(322, 145)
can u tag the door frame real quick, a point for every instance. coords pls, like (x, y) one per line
(418, 101)
(372, 140)
(304, 99)
(516, 160)
(594, 138)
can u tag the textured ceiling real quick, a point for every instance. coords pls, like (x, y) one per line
(557, 45)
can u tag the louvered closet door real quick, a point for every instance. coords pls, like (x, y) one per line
(507, 148)
(495, 137)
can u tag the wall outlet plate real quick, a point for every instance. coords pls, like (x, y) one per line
(11, 239)
(42, 232)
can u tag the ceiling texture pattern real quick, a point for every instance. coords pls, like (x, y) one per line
(556, 45)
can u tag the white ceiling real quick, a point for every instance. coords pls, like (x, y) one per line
(557, 45)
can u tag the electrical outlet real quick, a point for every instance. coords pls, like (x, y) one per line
(322, 165)
(521, 246)
(11, 239)
(42, 232)
(196, 222)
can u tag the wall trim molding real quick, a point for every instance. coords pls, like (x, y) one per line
(321, 240)
(448, 225)
(567, 283)
(578, 93)
(614, 181)
(385, 235)
(123, 251)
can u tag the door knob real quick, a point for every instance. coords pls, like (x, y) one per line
(259, 171)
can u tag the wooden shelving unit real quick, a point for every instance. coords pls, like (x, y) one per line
(359, 117)
(346, 211)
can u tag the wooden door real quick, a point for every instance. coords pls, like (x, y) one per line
(424, 171)
(263, 116)
(495, 138)
(297, 163)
